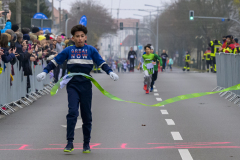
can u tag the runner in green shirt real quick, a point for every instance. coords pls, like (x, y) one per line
(148, 67)
(157, 60)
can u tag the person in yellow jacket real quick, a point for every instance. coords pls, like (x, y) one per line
(215, 46)
(207, 57)
(187, 61)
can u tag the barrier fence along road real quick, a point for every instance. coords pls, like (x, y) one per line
(228, 75)
(16, 94)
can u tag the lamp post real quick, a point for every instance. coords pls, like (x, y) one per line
(60, 17)
(157, 23)
(66, 26)
(150, 12)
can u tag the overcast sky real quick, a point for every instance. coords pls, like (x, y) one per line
(124, 4)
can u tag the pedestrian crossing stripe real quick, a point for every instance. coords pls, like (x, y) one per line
(168, 101)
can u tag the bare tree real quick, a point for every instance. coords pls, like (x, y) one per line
(178, 33)
(99, 20)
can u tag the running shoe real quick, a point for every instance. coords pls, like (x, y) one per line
(69, 147)
(86, 148)
(147, 91)
(151, 89)
(145, 87)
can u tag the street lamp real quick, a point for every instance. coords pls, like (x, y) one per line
(150, 12)
(66, 27)
(157, 22)
(138, 15)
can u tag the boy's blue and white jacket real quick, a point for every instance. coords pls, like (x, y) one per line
(79, 60)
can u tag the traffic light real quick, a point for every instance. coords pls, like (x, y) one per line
(191, 15)
(121, 25)
(66, 17)
(120, 44)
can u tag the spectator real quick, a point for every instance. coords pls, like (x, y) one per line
(8, 24)
(57, 69)
(35, 32)
(63, 45)
(15, 28)
(170, 63)
(70, 43)
(18, 46)
(26, 63)
(41, 32)
(230, 46)
(9, 55)
(12, 33)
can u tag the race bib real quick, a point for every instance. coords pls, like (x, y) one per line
(132, 56)
(149, 66)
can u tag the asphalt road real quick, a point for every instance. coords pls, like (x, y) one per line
(204, 128)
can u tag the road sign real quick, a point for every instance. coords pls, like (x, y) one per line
(40, 16)
(41, 21)
(83, 20)
(140, 47)
(44, 24)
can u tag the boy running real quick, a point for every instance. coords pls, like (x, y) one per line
(80, 59)
(148, 67)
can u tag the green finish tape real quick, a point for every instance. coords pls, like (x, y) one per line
(168, 101)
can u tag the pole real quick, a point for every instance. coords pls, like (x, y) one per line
(38, 6)
(157, 30)
(60, 17)
(137, 39)
(217, 18)
(18, 12)
(66, 25)
(52, 12)
(59, 9)
(110, 37)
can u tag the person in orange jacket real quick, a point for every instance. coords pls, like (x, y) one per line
(230, 46)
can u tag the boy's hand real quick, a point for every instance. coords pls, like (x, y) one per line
(41, 76)
(113, 76)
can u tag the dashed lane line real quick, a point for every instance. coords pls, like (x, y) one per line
(176, 136)
(164, 111)
(170, 122)
(185, 154)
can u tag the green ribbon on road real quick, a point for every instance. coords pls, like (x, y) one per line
(168, 101)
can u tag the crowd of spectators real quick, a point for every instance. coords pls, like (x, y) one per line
(30, 46)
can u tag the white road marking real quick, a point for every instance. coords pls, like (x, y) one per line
(159, 99)
(78, 125)
(155, 90)
(176, 136)
(185, 154)
(164, 111)
(156, 94)
(170, 121)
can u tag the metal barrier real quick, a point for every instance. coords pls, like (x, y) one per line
(228, 75)
(14, 93)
